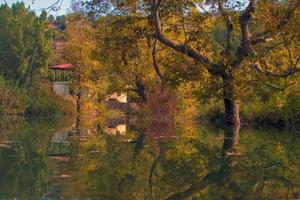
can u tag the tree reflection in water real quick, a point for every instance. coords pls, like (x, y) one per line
(154, 160)
(240, 177)
(219, 177)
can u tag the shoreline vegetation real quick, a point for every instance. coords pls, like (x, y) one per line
(40, 102)
(281, 114)
(37, 102)
(260, 115)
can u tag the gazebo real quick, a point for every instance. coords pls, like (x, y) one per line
(60, 76)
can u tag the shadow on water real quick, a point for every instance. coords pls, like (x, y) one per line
(131, 158)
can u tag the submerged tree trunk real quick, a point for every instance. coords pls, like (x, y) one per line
(232, 114)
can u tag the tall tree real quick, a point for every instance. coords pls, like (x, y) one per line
(233, 59)
(24, 42)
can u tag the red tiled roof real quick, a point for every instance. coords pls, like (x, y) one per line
(62, 66)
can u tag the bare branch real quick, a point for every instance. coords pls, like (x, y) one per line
(275, 86)
(53, 7)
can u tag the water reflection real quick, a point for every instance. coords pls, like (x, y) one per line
(131, 158)
(59, 147)
(221, 176)
(231, 137)
(23, 164)
(116, 127)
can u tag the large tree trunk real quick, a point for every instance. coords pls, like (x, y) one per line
(232, 114)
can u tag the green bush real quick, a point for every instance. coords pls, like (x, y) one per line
(38, 101)
(280, 111)
(212, 111)
(44, 103)
(13, 99)
(290, 112)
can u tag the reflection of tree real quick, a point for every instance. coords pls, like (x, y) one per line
(231, 135)
(240, 177)
(24, 169)
(159, 131)
(151, 163)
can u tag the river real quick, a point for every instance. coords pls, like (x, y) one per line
(134, 159)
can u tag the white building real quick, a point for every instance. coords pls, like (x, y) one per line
(122, 97)
(120, 129)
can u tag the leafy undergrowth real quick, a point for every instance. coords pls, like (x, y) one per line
(281, 112)
(38, 101)
(13, 99)
(44, 103)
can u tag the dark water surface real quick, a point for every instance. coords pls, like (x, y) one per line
(134, 160)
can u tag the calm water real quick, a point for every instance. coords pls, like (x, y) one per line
(129, 159)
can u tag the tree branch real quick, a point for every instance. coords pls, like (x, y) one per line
(182, 48)
(229, 24)
(31, 68)
(206, 181)
(290, 71)
(265, 35)
(245, 47)
(153, 167)
(155, 65)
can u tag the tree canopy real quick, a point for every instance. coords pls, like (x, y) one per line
(24, 42)
(231, 43)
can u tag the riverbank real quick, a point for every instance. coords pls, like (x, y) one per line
(38, 101)
(281, 113)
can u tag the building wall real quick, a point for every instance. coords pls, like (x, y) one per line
(122, 98)
(61, 88)
(120, 129)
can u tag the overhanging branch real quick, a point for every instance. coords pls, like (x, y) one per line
(182, 48)
(290, 71)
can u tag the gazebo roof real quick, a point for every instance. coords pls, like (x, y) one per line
(62, 66)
